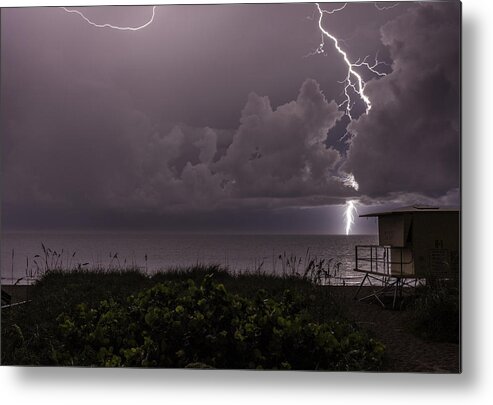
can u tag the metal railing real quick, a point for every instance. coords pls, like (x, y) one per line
(382, 260)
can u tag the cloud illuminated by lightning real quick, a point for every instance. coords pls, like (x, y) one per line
(350, 181)
(115, 27)
(347, 179)
(349, 214)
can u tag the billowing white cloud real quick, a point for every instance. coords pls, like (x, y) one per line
(281, 152)
(276, 157)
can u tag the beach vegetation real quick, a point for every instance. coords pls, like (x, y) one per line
(198, 317)
(436, 313)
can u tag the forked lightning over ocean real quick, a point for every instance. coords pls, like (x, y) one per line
(353, 82)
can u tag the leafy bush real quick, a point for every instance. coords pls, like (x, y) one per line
(186, 324)
(436, 315)
(61, 291)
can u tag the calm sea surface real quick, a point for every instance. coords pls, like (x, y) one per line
(163, 251)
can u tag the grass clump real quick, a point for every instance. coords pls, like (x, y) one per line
(437, 314)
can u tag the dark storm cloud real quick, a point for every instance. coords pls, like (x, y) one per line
(274, 154)
(409, 142)
(208, 118)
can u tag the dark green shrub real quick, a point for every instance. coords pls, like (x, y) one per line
(177, 324)
(436, 314)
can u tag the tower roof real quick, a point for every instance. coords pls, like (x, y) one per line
(411, 209)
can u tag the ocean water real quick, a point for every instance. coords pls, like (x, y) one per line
(152, 251)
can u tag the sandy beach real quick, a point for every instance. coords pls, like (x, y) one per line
(406, 352)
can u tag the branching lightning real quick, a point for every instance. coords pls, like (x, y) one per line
(357, 82)
(372, 68)
(349, 214)
(115, 27)
(383, 8)
(332, 11)
(353, 80)
(354, 84)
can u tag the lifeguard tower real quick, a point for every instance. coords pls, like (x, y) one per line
(415, 244)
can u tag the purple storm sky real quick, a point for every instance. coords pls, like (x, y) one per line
(217, 118)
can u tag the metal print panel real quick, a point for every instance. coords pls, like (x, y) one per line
(234, 186)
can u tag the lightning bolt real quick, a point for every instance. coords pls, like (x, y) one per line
(372, 68)
(335, 10)
(349, 214)
(115, 27)
(383, 8)
(353, 80)
(353, 84)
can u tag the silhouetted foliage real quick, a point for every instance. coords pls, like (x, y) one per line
(184, 319)
(436, 314)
